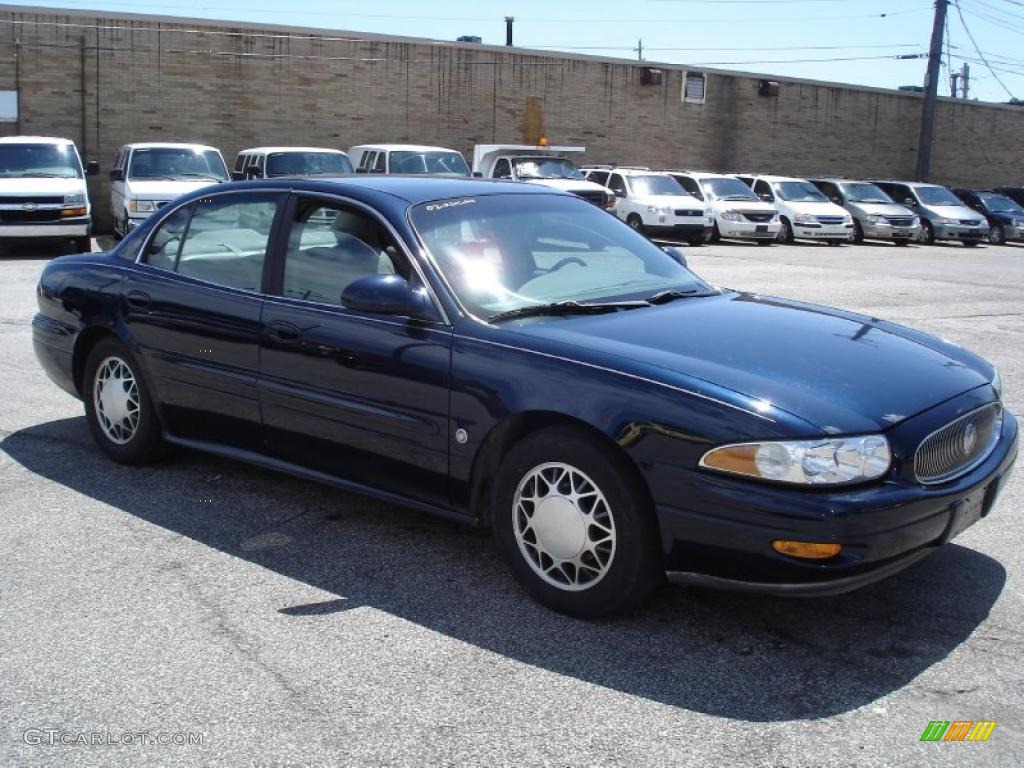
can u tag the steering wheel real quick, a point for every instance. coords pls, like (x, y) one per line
(567, 260)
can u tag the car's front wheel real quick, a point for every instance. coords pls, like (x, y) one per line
(574, 524)
(118, 405)
(997, 235)
(635, 222)
(785, 232)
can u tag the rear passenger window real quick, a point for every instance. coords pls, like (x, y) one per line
(378, 167)
(331, 246)
(226, 240)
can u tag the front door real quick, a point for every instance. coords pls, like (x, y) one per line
(361, 397)
(192, 305)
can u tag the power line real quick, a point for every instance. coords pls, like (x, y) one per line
(981, 55)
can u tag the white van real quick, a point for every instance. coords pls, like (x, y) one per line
(805, 212)
(409, 159)
(147, 176)
(42, 190)
(269, 162)
(739, 213)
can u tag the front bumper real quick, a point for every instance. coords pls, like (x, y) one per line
(958, 232)
(70, 227)
(722, 536)
(823, 231)
(680, 231)
(889, 232)
(749, 230)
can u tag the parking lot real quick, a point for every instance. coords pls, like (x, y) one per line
(279, 622)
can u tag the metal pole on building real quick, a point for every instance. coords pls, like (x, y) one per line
(640, 49)
(954, 90)
(508, 29)
(965, 79)
(931, 92)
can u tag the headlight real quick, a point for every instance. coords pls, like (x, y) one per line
(1018, 222)
(732, 216)
(141, 206)
(915, 222)
(805, 218)
(877, 220)
(75, 199)
(827, 461)
(997, 384)
(775, 218)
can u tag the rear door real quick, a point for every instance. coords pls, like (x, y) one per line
(193, 306)
(357, 396)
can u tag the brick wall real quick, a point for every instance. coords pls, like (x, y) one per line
(106, 79)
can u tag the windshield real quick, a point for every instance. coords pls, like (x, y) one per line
(865, 193)
(655, 186)
(308, 164)
(728, 189)
(177, 163)
(937, 196)
(504, 252)
(799, 192)
(999, 204)
(546, 168)
(58, 160)
(429, 163)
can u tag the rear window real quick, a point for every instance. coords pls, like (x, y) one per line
(308, 164)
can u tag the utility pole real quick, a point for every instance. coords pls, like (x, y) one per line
(508, 29)
(931, 92)
(639, 49)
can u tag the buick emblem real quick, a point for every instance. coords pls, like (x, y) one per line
(969, 439)
(29, 207)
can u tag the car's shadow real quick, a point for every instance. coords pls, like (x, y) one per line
(748, 657)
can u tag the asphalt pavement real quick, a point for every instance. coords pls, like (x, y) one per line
(204, 612)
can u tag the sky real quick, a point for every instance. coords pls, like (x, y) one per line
(847, 41)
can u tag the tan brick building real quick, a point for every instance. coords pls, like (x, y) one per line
(107, 79)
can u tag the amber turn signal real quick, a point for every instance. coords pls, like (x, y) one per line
(73, 212)
(807, 550)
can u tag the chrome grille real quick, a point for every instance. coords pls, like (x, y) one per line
(900, 221)
(688, 212)
(758, 216)
(958, 447)
(970, 222)
(831, 219)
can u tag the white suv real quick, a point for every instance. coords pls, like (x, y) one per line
(655, 204)
(805, 212)
(739, 213)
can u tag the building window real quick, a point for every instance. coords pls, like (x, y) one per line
(8, 106)
(694, 87)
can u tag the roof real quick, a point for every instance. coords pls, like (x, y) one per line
(271, 150)
(702, 174)
(905, 182)
(34, 140)
(772, 179)
(401, 147)
(169, 145)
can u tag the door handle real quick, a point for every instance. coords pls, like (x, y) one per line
(283, 330)
(137, 299)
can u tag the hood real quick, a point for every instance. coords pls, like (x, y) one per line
(165, 189)
(1006, 217)
(817, 209)
(21, 186)
(673, 201)
(955, 212)
(568, 185)
(841, 372)
(881, 209)
(755, 206)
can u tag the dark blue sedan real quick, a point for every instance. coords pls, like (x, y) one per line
(511, 356)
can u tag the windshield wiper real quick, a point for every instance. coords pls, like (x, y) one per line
(664, 297)
(566, 308)
(40, 175)
(152, 176)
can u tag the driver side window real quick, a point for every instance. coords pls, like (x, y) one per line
(617, 185)
(502, 169)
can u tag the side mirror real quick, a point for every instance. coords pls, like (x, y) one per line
(478, 174)
(237, 176)
(837, 200)
(619, 192)
(387, 295)
(253, 172)
(909, 202)
(116, 174)
(676, 253)
(92, 168)
(766, 197)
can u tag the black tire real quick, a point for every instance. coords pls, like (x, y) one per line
(858, 232)
(635, 222)
(145, 442)
(929, 232)
(82, 244)
(996, 235)
(716, 236)
(634, 565)
(786, 232)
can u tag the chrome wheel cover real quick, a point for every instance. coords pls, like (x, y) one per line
(564, 526)
(115, 398)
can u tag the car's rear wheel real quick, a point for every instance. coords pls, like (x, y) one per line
(574, 525)
(118, 406)
(996, 235)
(635, 222)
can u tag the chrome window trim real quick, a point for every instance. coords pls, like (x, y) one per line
(997, 433)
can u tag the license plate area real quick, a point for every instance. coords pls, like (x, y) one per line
(965, 513)
(761, 228)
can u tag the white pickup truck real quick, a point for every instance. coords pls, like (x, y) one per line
(547, 166)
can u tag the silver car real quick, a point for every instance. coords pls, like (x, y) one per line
(876, 216)
(943, 215)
